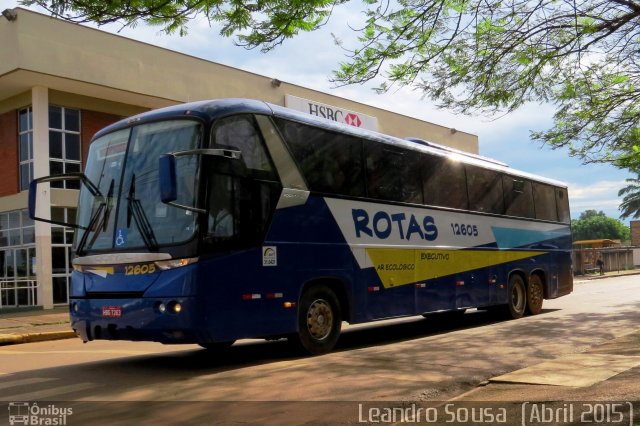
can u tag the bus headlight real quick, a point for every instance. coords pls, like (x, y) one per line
(164, 265)
(175, 307)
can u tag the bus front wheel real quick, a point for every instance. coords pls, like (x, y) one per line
(535, 295)
(517, 297)
(319, 320)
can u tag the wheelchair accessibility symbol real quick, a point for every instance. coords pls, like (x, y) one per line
(121, 237)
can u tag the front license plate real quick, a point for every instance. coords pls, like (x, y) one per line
(112, 311)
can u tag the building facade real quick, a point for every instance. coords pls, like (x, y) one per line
(61, 82)
(635, 232)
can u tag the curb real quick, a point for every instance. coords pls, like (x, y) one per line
(583, 278)
(14, 339)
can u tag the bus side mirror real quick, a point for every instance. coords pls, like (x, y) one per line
(33, 188)
(168, 183)
(78, 179)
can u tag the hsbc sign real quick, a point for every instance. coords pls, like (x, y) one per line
(352, 119)
(330, 112)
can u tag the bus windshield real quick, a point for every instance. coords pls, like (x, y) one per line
(128, 213)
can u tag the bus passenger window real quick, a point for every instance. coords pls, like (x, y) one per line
(545, 202)
(485, 190)
(518, 197)
(562, 200)
(240, 133)
(444, 182)
(330, 162)
(392, 175)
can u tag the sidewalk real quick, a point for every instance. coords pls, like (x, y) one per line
(603, 375)
(582, 278)
(35, 326)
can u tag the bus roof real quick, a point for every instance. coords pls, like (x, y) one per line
(210, 110)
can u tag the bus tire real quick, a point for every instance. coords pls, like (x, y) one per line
(517, 303)
(319, 320)
(535, 295)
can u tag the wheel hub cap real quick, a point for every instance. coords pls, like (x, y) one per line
(319, 319)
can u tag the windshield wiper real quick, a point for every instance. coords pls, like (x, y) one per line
(97, 215)
(93, 224)
(135, 210)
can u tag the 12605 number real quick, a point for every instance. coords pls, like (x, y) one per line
(464, 229)
(149, 268)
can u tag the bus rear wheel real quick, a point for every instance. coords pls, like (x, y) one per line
(319, 320)
(517, 297)
(535, 295)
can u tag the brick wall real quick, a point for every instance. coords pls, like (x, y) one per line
(635, 232)
(91, 122)
(9, 153)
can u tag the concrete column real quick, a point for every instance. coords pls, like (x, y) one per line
(40, 106)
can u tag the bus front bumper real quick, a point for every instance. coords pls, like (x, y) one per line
(165, 320)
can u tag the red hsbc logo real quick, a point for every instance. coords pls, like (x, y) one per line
(352, 120)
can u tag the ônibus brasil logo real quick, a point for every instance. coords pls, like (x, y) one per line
(25, 413)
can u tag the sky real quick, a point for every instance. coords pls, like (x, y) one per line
(309, 59)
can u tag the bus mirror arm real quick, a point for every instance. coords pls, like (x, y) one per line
(168, 179)
(212, 152)
(33, 194)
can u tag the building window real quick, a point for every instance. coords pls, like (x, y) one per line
(64, 144)
(17, 259)
(25, 135)
(61, 240)
(16, 229)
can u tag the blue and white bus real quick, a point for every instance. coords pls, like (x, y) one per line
(219, 220)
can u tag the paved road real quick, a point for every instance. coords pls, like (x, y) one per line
(432, 359)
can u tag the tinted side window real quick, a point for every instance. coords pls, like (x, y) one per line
(485, 190)
(444, 183)
(330, 162)
(545, 201)
(241, 133)
(562, 201)
(392, 174)
(518, 197)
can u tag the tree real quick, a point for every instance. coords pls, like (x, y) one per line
(591, 213)
(594, 225)
(630, 205)
(468, 56)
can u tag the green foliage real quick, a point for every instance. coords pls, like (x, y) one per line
(594, 225)
(630, 205)
(591, 213)
(469, 56)
(263, 23)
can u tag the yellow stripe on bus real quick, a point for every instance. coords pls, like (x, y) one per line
(396, 267)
